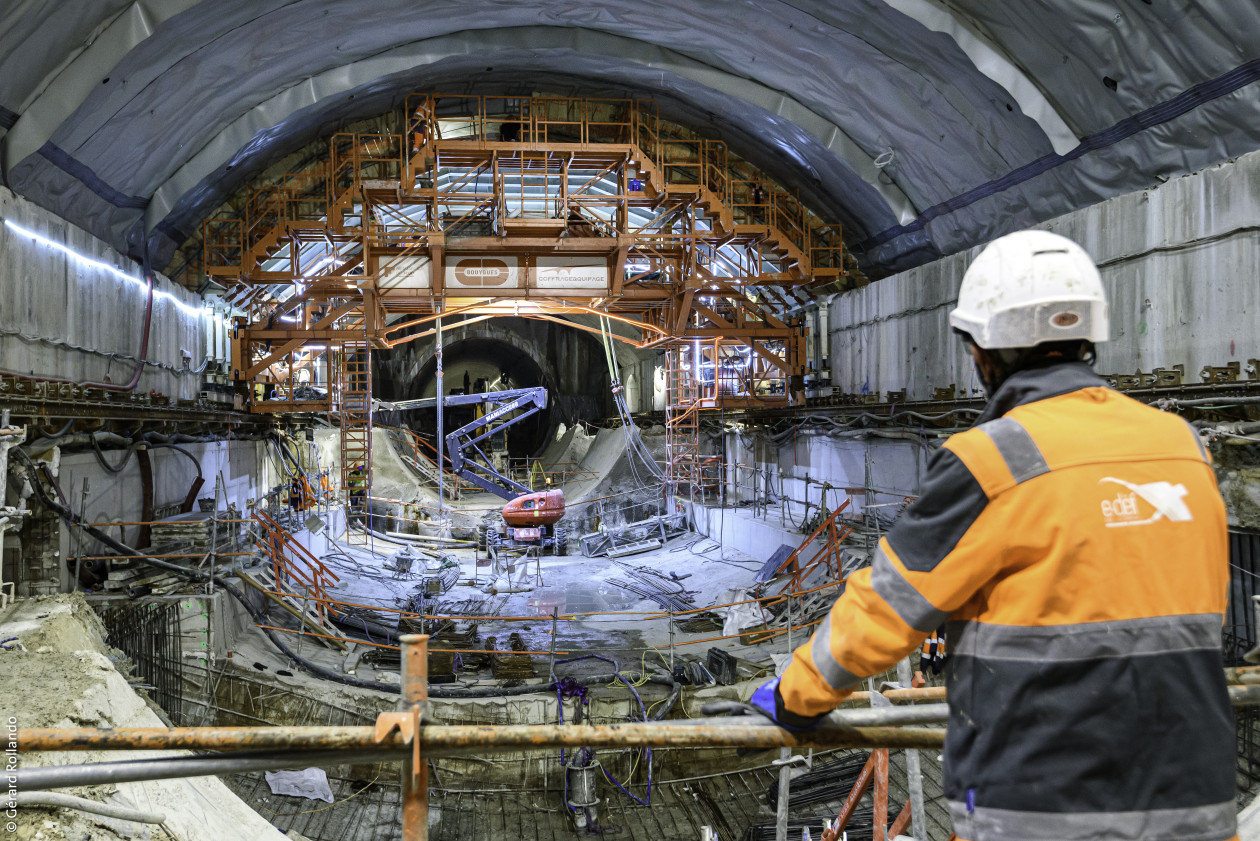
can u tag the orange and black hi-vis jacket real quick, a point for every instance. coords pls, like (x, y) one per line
(1076, 541)
(932, 656)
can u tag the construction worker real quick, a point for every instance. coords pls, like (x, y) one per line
(931, 658)
(1075, 541)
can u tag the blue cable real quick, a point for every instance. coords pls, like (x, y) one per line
(642, 708)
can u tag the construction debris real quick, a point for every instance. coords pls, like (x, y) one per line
(632, 538)
(511, 667)
(196, 530)
(647, 583)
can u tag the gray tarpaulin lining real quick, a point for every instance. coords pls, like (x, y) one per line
(1151, 52)
(650, 71)
(990, 60)
(1177, 106)
(925, 99)
(38, 37)
(869, 80)
(68, 88)
(199, 85)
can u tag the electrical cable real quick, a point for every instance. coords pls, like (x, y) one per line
(179, 449)
(642, 709)
(1174, 402)
(59, 434)
(634, 440)
(100, 456)
(82, 804)
(62, 344)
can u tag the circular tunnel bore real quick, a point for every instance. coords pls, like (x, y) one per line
(474, 365)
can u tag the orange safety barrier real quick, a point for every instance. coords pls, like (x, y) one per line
(828, 554)
(315, 578)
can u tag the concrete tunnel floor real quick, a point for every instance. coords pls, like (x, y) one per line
(623, 627)
(602, 475)
(65, 675)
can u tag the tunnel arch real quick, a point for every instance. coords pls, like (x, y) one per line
(568, 362)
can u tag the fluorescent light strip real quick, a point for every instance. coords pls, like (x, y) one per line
(105, 267)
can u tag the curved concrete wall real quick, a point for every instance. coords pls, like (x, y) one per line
(1180, 262)
(72, 318)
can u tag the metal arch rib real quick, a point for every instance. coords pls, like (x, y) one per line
(993, 62)
(219, 148)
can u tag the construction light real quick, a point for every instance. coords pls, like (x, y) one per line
(98, 265)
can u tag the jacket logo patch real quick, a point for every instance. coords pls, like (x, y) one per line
(1162, 501)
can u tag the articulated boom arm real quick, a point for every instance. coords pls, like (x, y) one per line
(468, 436)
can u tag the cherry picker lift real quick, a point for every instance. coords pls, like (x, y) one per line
(529, 518)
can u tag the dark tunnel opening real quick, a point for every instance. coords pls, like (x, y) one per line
(507, 352)
(472, 365)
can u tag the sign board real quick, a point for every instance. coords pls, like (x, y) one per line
(408, 273)
(483, 273)
(571, 273)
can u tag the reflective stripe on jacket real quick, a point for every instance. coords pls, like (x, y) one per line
(933, 651)
(1077, 544)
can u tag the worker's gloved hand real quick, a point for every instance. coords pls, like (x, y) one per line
(769, 702)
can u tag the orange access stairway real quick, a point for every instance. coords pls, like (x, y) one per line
(295, 580)
(331, 199)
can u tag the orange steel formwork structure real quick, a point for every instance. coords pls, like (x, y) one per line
(595, 206)
(537, 207)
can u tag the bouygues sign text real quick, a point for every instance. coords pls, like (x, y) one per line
(483, 273)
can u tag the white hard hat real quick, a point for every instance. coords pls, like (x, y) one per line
(1031, 287)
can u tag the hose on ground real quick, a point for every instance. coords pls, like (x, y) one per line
(311, 668)
(82, 804)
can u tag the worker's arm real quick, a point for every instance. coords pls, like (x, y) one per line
(942, 550)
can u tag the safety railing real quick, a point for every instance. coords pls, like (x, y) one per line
(800, 564)
(716, 172)
(539, 476)
(723, 373)
(222, 243)
(789, 218)
(293, 562)
(356, 158)
(681, 160)
(424, 454)
(670, 155)
(407, 736)
(438, 117)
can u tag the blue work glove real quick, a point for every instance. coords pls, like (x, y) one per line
(769, 702)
